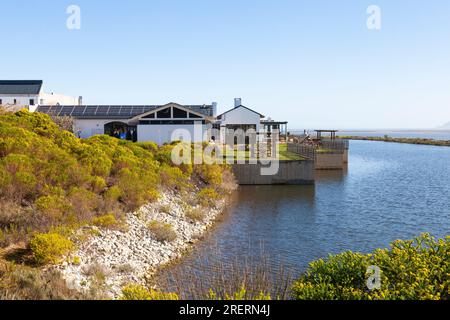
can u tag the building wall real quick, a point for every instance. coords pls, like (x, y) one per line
(241, 116)
(289, 172)
(51, 99)
(23, 100)
(329, 161)
(88, 127)
(163, 133)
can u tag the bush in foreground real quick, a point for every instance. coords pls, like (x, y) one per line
(50, 247)
(137, 292)
(162, 231)
(416, 269)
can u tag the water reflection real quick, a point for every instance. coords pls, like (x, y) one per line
(389, 191)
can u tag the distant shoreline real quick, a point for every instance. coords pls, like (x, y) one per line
(421, 141)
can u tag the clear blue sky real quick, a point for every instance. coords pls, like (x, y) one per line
(313, 63)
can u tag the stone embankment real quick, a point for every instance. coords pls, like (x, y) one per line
(116, 258)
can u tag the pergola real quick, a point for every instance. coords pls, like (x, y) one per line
(332, 133)
(270, 125)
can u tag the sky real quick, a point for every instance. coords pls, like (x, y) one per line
(314, 63)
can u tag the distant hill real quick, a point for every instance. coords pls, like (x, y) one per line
(445, 126)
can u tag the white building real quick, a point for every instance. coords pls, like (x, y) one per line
(161, 123)
(158, 123)
(17, 94)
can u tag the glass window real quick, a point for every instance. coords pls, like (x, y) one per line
(164, 114)
(178, 113)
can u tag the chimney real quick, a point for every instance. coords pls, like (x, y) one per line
(80, 100)
(214, 109)
(237, 102)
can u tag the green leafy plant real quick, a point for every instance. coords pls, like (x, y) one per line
(137, 292)
(50, 247)
(410, 270)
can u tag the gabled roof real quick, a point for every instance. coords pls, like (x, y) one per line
(241, 106)
(20, 86)
(191, 109)
(113, 112)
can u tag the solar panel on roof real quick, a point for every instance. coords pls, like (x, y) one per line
(65, 111)
(102, 110)
(78, 110)
(126, 110)
(43, 109)
(55, 110)
(90, 111)
(114, 111)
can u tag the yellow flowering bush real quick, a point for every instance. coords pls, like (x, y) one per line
(137, 292)
(65, 180)
(105, 221)
(416, 269)
(50, 247)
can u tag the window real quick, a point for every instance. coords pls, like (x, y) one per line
(191, 115)
(15, 101)
(169, 122)
(178, 113)
(41, 101)
(164, 114)
(1, 102)
(31, 102)
(150, 116)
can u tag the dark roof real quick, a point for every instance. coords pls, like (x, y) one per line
(274, 122)
(20, 86)
(326, 130)
(112, 112)
(241, 106)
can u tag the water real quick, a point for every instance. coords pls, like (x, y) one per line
(390, 191)
(424, 134)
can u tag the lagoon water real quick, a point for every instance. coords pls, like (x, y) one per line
(422, 134)
(389, 191)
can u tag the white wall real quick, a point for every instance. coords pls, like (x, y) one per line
(54, 99)
(22, 100)
(241, 116)
(163, 133)
(89, 127)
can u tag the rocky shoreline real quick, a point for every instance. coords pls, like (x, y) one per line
(116, 258)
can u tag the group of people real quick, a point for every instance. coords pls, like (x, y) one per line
(125, 134)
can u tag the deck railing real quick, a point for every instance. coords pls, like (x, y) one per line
(339, 145)
(303, 150)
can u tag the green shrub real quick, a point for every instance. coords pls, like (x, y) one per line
(242, 294)
(53, 206)
(50, 247)
(410, 270)
(137, 292)
(196, 214)
(113, 194)
(210, 173)
(162, 231)
(207, 197)
(105, 221)
(98, 184)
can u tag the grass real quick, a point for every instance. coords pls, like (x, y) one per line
(284, 154)
(240, 278)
